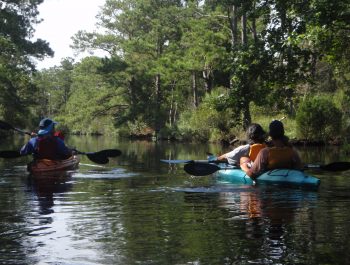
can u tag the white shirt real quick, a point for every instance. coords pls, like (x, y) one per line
(235, 155)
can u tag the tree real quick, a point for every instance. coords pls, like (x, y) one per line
(16, 29)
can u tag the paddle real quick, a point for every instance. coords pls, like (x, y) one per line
(10, 154)
(183, 161)
(200, 169)
(203, 169)
(6, 126)
(334, 166)
(100, 157)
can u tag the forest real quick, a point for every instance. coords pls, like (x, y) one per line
(185, 70)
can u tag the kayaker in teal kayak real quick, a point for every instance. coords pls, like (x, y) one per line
(280, 156)
(45, 145)
(256, 141)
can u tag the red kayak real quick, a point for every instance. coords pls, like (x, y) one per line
(47, 165)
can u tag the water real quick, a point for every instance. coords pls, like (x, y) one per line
(136, 210)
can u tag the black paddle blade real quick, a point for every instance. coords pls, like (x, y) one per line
(97, 158)
(336, 166)
(109, 153)
(9, 154)
(5, 126)
(201, 169)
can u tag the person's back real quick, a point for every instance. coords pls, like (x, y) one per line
(280, 155)
(45, 145)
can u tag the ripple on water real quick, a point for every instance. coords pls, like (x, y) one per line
(114, 173)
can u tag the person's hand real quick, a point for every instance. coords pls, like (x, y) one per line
(33, 134)
(222, 157)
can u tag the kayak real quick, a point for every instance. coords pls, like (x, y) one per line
(276, 176)
(46, 165)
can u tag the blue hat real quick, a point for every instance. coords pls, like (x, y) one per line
(46, 126)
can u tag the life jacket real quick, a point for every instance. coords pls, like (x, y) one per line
(280, 157)
(46, 148)
(254, 150)
(59, 134)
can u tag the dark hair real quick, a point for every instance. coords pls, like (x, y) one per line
(276, 129)
(256, 133)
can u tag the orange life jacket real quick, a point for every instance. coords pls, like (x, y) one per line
(254, 150)
(280, 157)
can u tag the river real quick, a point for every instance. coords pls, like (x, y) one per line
(137, 210)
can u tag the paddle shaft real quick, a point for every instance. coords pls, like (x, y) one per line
(100, 157)
(203, 169)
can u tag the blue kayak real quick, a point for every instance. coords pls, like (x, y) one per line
(277, 176)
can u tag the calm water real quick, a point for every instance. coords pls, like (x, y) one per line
(136, 210)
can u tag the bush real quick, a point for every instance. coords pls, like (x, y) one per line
(318, 119)
(209, 122)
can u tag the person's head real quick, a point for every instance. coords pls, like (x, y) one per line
(256, 133)
(46, 127)
(276, 130)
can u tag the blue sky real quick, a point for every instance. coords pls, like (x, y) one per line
(61, 20)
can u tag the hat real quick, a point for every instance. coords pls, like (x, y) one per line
(276, 129)
(255, 132)
(46, 125)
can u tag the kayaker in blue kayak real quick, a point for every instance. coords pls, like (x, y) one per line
(256, 141)
(280, 156)
(45, 145)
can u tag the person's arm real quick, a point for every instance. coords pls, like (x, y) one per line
(62, 148)
(297, 164)
(259, 165)
(245, 163)
(235, 155)
(28, 148)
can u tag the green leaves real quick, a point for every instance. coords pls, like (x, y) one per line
(318, 119)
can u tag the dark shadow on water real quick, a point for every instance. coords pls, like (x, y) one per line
(45, 186)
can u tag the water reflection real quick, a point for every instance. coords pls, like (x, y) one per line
(46, 186)
(269, 213)
(136, 210)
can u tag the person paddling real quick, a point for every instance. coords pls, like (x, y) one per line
(280, 155)
(45, 145)
(256, 141)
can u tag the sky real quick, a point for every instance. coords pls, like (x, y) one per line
(61, 20)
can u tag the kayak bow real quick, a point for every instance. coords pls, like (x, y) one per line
(47, 165)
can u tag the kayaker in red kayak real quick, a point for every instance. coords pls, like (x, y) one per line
(46, 145)
(256, 141)
(280, 155)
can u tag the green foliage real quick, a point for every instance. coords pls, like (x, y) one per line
(17, 93)
(182, 69)
(318, 119)
(206, 122)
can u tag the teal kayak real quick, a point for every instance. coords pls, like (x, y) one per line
(291, 177)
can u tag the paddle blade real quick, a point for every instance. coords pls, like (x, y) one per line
(201, 169)
(336, 166)
(9, 154)
(109, 153)
(97, 158)
(176, 161)
(5, 126)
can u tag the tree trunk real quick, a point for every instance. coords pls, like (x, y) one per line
(233, 19)
(244, 29)
(208, 81)
(158, 95)
(194, 89)
(255, 35)
(247, 119)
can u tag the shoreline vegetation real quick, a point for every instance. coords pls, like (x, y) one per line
(186, 71)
